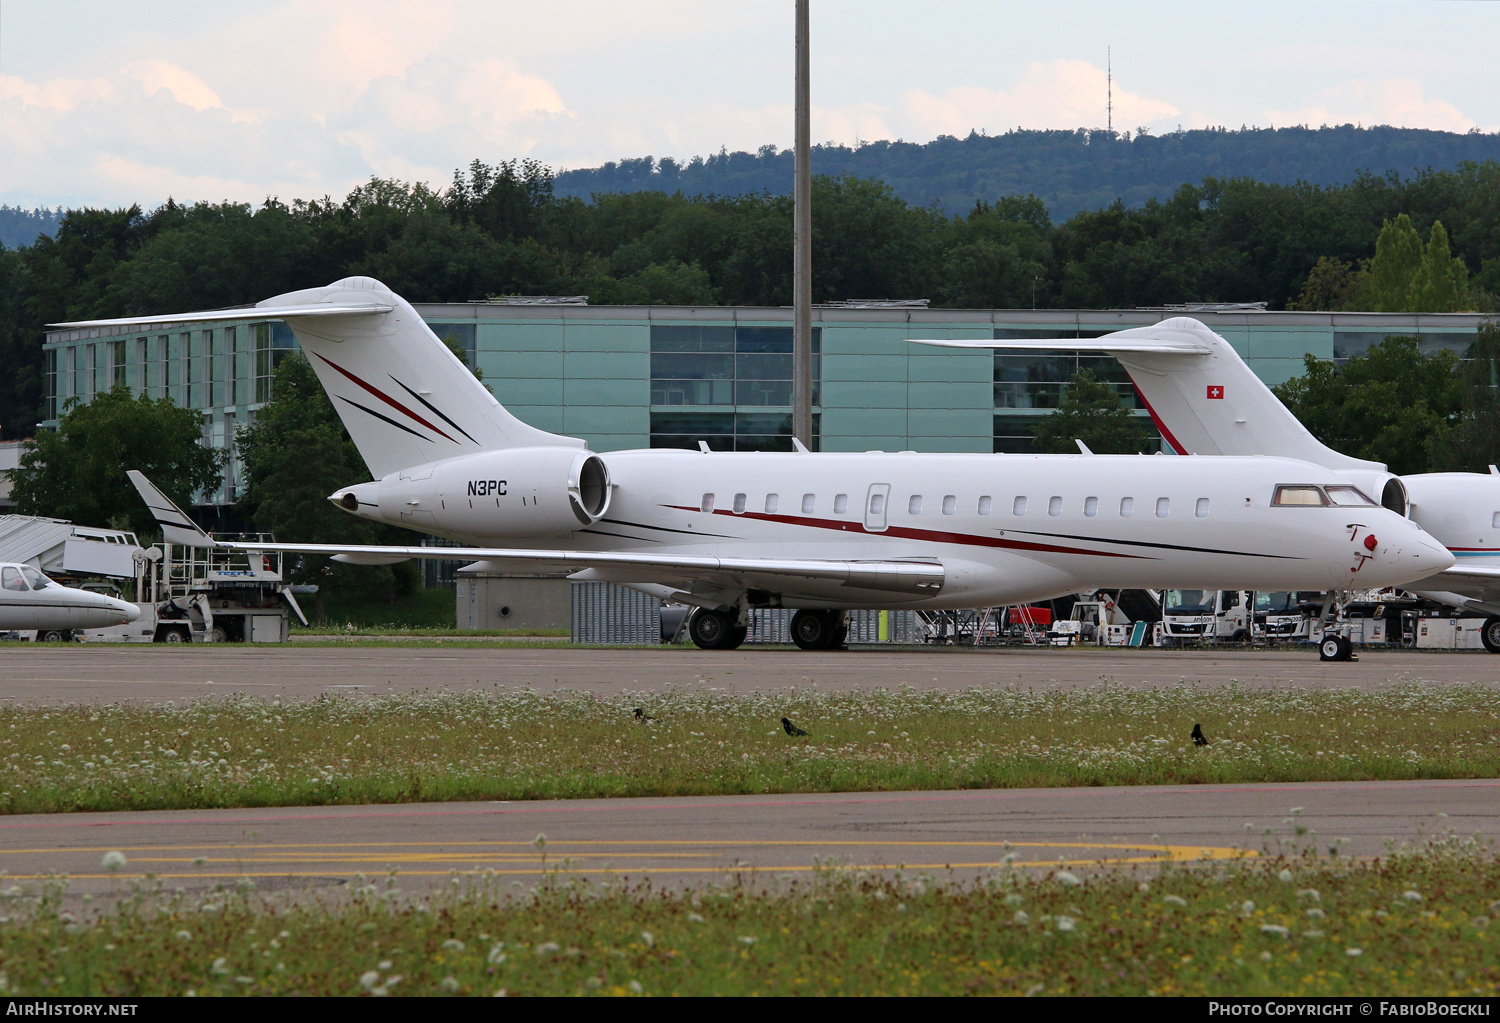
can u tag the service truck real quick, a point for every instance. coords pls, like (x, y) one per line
(1206, 616)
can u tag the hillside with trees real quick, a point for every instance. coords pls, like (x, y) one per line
(503, 229)
(1070, 171)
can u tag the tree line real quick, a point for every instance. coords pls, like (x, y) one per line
(503, 229)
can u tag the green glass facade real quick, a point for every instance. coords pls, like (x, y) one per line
(639, 376)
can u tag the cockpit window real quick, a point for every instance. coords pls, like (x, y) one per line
(1300, 496)
(35, 578)
(10, 579)
(1348, 497)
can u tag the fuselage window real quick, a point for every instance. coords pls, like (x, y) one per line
(1127, 507)
(1299, 497)
(877, 504)
(914, 506)
(1054, 507)
(1018, 507)
(840, 503)
(1090, 506)
(1201, 508)
(739, 504)
(772, 501)
(985, 503)
(1348, 497)
(707, 504)
(1163, 506)
(950, 504)
(808, 503)
(11, 580)
(1495, 521)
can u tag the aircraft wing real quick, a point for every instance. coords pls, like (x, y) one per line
(1471, 575)
(923, 578)
(1073, 344)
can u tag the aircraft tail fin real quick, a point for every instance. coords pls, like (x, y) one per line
(1199, 392)
(176, 527)
(403, 396)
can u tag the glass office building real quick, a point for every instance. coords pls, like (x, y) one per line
(668, 376)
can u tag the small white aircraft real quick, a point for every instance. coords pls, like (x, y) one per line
(1206, 401)
(823, 533)
(29, 600)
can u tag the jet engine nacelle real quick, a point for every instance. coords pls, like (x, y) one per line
(514, 493)
(1385, 488)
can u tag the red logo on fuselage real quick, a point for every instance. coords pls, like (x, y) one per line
(1215, 391)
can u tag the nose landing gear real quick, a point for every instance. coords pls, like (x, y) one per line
(1336, 648)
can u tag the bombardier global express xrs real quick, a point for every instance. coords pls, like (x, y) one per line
(29, 600)
(1206, 401)
(820, 532)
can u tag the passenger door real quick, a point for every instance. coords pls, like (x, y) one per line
(877, 505)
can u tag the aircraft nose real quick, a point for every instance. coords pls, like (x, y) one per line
(126, 609)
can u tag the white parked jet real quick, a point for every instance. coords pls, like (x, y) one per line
(1206, 401)
(823, 533)
(29, 600)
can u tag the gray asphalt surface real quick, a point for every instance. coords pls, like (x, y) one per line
(701, 840)
(38, 674)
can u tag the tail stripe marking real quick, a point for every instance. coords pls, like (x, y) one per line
(392, 402)
(387, 419)
(435, 410)
(1160, 426)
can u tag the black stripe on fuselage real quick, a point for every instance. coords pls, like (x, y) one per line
(622, 536)
(666, 529)
(1160, 546)
(434, 410)
(384, 419)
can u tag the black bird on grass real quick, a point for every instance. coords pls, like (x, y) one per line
(791, 729)
(641, 715)
(1199, 739)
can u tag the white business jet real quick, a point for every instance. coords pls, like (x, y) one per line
(29, 600)
(1206, 401)
(822, 533)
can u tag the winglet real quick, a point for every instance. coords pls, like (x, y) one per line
(175, 526)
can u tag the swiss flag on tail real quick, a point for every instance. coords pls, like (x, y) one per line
(1215, 391)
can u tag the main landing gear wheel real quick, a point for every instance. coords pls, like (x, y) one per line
(819, 630)
(1489, 634)
(715, 630)
(1336, 648)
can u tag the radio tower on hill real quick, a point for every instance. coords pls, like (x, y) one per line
(1109, 90)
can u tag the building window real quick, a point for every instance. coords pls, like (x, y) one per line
(1163, 507)
(726, 431)
(49, 362)
(143, 366)
(984, 505)
(914, 506)
(1201, 509)
(117, 367)
(1018, 506)
(163, 362)
(1127, 507)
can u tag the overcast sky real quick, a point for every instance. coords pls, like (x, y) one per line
(108, 102)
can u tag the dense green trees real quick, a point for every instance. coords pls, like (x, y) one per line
(78, 472)
(501, 229)
(1091, 411)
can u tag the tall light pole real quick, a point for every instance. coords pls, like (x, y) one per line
(802, 247)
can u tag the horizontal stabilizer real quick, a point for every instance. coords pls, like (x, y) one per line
(248, 313)
(923, 578)
(176, 527)
(1073, 344)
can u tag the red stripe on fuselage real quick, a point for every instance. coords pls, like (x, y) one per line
(392, 402)
(1160, 426)
(905, 533)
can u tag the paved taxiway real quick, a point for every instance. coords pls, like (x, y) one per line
(699, 840)
(35, 674)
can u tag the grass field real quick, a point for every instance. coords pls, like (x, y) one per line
(1408, 924)
(518, 744)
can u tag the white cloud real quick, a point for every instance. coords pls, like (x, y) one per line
(1400, 102)
(1052, 94)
